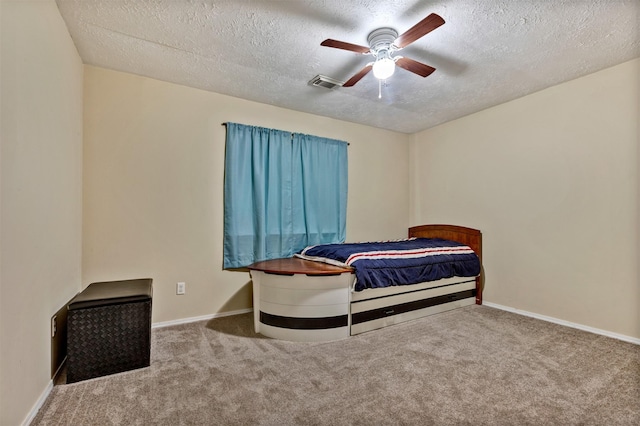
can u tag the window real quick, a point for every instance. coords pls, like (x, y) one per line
(282, 192)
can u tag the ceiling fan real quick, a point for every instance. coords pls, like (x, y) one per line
(383, 43)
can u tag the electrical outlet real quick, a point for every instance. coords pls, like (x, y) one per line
(54, 327)
(181, 288)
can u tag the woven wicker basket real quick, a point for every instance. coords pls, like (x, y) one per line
(108, 339)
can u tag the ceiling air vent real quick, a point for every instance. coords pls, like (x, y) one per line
(324, 81)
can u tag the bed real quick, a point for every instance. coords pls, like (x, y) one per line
(303, 300)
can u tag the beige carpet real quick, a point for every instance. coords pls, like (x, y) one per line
(471, 366)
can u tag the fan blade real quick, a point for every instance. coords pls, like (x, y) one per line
(415, 66)
(423, 27)
(344, 46)
(356, 78)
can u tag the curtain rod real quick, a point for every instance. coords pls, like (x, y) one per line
(224, 124)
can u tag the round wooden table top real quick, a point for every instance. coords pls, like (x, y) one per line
(296, 265)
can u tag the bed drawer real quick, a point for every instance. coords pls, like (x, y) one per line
(407, 316)
(376, 313)
(410, 296)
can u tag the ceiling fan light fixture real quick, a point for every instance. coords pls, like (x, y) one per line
(384, 68)
(383, 43)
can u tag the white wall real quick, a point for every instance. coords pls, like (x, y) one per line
(40, 194)
(552, 181)
(153, 186)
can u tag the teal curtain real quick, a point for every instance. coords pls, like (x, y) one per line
(282, 192)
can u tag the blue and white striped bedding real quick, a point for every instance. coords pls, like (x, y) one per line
(402, 262)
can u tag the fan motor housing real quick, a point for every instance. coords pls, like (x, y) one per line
(381, 38)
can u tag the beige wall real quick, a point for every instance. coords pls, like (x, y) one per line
(552, 181)
(153, 186)
(40, 193)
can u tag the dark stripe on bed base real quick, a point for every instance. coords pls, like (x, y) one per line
(304, 323)
(387, 311)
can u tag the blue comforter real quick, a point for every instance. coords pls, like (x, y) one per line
(411, 261)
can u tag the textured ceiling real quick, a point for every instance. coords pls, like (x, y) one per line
(487, 52)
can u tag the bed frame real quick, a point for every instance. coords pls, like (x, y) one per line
(301, 300)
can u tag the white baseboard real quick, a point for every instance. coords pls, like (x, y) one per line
(201, 318)
(565, 323)
(36, 407)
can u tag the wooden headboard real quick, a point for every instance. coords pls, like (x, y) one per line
(467, 236)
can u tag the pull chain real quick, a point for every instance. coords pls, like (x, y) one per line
(379, 89)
